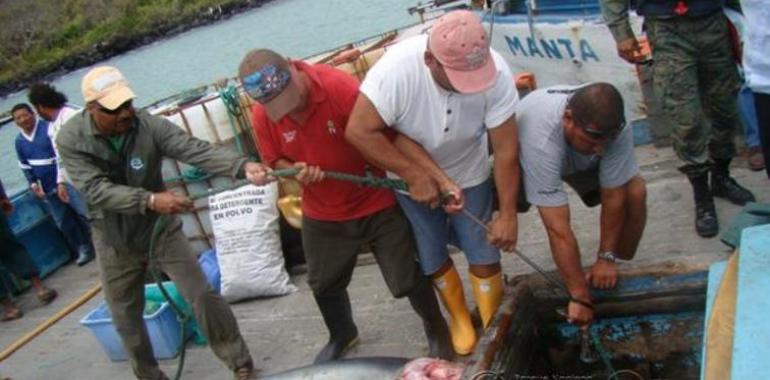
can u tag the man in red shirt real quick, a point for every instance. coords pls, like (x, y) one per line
(300, 119)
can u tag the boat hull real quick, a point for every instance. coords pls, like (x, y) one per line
(568, 49)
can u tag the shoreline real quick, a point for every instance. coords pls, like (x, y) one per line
(108, 49)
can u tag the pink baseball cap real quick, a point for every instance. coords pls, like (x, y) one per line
(460, 44)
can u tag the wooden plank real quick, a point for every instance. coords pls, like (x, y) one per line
(716, 271)
(720, 325)
(656, 304)
(752, 329)
(634, 282)
(504, 346)
(663, 288)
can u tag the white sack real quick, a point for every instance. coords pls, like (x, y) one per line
(248, 242)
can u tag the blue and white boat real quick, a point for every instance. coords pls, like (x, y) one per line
(565, 42)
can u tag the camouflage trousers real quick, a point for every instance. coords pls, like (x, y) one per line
(696, 80)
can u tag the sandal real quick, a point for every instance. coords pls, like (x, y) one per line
(11, 314)
(46, 296)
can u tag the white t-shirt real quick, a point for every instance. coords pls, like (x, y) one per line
(450, 126)
(53, 130)
(756, 60)
(546, 157)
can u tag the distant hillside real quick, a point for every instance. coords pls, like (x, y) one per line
(42, 38)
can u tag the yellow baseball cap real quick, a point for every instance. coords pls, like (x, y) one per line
(107, 86)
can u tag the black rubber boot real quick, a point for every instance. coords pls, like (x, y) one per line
(724, 186)
(424, 302)
(338, 318)
(706, 223)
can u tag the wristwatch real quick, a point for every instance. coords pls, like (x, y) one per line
(607, 256)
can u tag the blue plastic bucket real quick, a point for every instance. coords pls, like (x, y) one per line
(210, 267)
(162, 327)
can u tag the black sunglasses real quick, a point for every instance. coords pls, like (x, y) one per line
(119, 109)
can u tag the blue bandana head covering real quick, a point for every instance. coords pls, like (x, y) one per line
(266, 83)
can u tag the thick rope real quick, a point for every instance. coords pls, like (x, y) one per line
(191, 175)
(367, 180)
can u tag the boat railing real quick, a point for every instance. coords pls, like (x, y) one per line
(432, 6)
(5, 119)
(220, 113)
(550, 7)
(326, 55)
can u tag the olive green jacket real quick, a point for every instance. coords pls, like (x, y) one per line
(117, 184)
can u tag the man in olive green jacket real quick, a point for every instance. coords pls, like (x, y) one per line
(113, 154)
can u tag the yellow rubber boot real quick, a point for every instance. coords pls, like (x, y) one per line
(450, 289)
(488, 293)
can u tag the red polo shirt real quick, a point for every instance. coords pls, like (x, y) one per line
(321, 142)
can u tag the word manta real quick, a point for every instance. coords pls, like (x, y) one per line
(552, 48)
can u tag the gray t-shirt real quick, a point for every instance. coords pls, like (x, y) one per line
(546, 158)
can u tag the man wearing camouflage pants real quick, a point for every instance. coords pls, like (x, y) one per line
(694, 75)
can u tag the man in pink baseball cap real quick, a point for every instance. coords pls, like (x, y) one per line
(448, 95)
(460, 45)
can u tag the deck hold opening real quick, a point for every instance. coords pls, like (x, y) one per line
(650, 327)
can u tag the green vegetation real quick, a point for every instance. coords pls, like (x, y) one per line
(43, 36)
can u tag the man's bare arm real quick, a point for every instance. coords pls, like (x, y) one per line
(505, 145)
(365, 132)
(564, 249)
(613, 215)
(417, 154)
(566, 255)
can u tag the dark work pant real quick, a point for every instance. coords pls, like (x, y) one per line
(762, 101)
(123, 274)
(331, 250)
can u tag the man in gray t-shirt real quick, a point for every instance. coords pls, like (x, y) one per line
(576, 135)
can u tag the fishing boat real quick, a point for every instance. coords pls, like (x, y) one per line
(566, 42)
